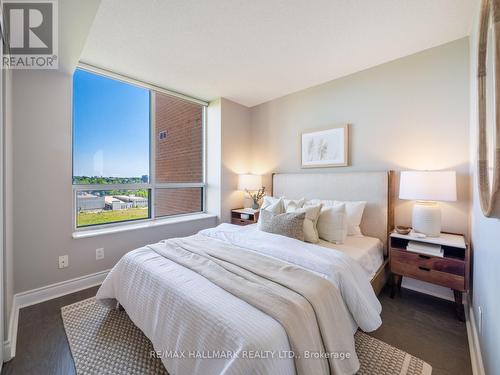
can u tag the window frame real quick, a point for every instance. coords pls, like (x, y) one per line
(151, 185)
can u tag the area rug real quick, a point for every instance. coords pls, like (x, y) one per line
(104, 341)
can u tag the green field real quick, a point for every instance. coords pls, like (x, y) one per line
(93, 218)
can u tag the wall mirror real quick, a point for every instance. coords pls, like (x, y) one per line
(488, 108)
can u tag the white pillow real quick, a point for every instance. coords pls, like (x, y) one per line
(268, 201)
(274, 205)
(354, 211)
(294, 203)
(310, 221)
(332, 224)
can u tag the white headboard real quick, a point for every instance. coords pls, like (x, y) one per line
(373, 187)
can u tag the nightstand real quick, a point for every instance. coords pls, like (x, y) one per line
(451, 270)
(253, 216)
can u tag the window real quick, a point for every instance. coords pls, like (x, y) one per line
(138, 152)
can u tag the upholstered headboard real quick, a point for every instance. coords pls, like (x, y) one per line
(373, 187)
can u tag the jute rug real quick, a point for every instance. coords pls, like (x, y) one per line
(104, 341)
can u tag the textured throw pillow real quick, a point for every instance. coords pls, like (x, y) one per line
(273, 205)
(310, 221)
(289, 224)
(332, 224)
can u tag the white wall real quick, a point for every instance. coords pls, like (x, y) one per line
(485, 242)
(411, 113)
(214, 155)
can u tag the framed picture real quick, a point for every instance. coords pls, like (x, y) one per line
(325, 148)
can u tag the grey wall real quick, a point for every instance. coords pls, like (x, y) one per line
(43, 194)
(411, 113)
(485, 242)
(8, 259)
(75, 19)
(236, 157)
(41, 170)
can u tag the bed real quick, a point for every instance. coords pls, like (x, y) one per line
(201, 323)
(376, 188)
(368, 252)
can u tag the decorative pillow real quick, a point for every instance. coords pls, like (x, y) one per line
(293, 203)
(290, 224)
(354, 211)
(310, 221)
(332, 224)
(268, 201)
(273, 205)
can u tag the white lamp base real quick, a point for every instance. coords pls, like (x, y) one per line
(427, 218)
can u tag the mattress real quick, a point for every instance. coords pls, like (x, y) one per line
(368, 252)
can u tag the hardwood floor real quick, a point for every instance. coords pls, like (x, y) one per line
(419, 324)
(428, 328)
(42, 347)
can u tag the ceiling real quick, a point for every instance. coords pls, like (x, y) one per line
(254, 51)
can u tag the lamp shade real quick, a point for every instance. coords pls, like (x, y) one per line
(250, 182)
(428, 185)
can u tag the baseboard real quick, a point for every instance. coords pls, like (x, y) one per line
(45, 293)
(9, 345)
(476, 357)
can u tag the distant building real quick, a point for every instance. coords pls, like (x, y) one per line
(113, 203)
(145, 178)
(86, 202)
(135, 201)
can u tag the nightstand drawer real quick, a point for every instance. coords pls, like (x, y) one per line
(429, 269)
(445, 265)
(447, 280)
(241, 221)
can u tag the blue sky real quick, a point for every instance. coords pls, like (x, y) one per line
(110, 127)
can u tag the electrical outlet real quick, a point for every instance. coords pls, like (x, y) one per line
(99, 253)
(63, 261)
(480, 319)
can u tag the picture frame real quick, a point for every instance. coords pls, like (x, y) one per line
(324, 148)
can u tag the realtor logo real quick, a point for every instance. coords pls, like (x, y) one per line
(30, 34)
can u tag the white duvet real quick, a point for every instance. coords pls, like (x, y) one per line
(198, 328)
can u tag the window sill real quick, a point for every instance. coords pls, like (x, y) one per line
(142, 225)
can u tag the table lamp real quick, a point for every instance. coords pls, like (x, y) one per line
(252, 184)
(426, 188)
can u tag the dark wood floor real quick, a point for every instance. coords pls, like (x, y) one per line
(419, 324)
(426, 327)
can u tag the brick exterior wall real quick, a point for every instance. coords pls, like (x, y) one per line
(177, 201)
(179, 156)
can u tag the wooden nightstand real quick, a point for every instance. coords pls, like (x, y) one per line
(236, 216)
(451, 270)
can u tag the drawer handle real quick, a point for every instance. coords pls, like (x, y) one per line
(424, 268)
(424, 256)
